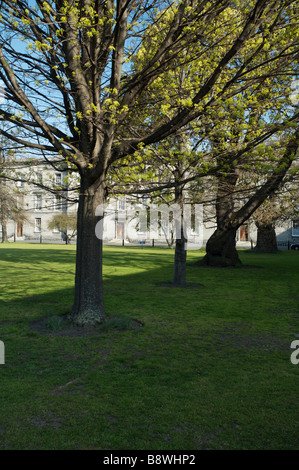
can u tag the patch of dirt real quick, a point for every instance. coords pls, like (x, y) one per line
(245, 339)
(41, 422)
(242, 266)
(42, 327)
(178, 286)
(5, 323)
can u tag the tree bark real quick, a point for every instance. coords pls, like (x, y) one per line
(266, 238)
(180, 257)
(221, 247)
(67, 238)
(88, 308)
(4, 230)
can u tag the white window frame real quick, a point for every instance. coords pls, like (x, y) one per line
(20, 201)
(38, 202)
(20, 184)
(295, 228)
(37, 226)
(39, 177)
(122, 204)
(57, 203)
(58, 179)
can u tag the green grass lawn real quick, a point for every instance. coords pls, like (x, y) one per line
(210, 368)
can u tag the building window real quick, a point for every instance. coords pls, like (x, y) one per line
(142, 201)
(56, 230)
(38, 225)
(20, 184)
(20, 202)
(295, 228)
(39, 178)
(58, 179)
(121, 204)
(57, 203)
(37, 202)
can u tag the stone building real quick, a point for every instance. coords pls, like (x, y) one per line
(41, 191)
(44, 190)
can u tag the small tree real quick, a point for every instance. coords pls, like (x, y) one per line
(65, 223)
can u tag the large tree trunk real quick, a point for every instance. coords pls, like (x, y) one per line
(266, 238)
(221, 249)
(179, 277)
(88, 308)
(4, 230)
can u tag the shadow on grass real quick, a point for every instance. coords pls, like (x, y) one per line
(39, 255)
(128, 294)
(178, 286)
(115, 256)
(124, 292)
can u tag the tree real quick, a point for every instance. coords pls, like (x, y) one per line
(73, 89)
(265, 217)
(282, 206)
(233, 128)
(221, 247)
(267, 128)
(65, 223)
(175, 163)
